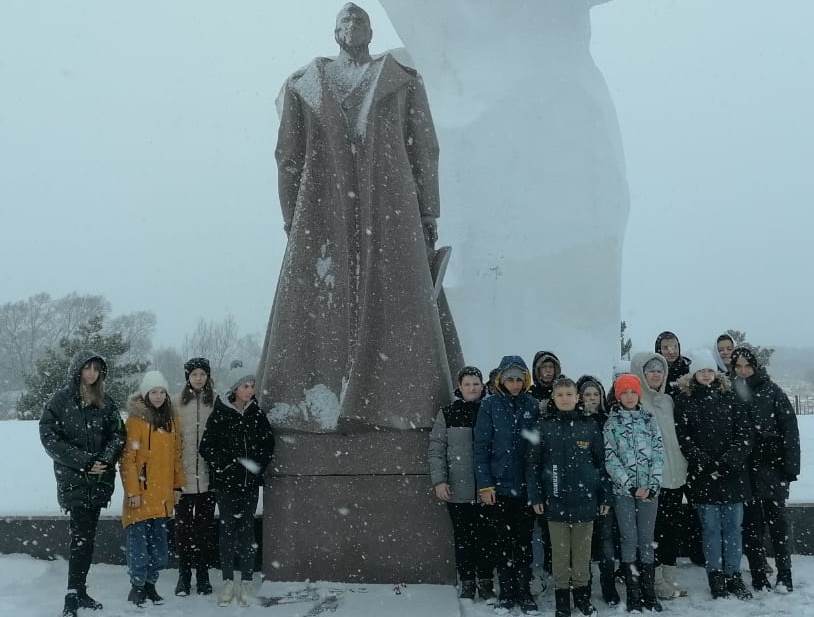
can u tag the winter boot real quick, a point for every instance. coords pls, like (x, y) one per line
(245, 593)
(184, 585)
(137, 596)
(467, 590)
(736, 586)
(202, 584)
(71, 605)
(528, 606)
(227, 594)
(664, 590)
(85, 601)
(670, 574)
(608, 583)
(486, 590)
(152, 594)
(582, 601)
(783, 583)
(760, 582)
(634, 591)
(506, 599)
(717, 584)
(562, 602)
(647, 581)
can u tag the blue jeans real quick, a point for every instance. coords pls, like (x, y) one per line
(721, 528)
(147, 551)
(637, 524)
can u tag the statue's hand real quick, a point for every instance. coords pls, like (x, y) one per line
(430, 226)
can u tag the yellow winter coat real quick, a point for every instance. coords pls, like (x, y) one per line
(151, 465)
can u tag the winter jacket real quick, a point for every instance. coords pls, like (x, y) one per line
(601, 415)
(237, 445)
(677, 369)
(716, 438)
(192, 419)
(775, 457)
(565, 470)
(451, 453)
(540, 390)
(151, 464)
(634, 452)
(76, 436)
(660, 404)
(503, 424)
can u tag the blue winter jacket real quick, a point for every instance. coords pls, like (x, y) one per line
(634, 452)
(501, 430)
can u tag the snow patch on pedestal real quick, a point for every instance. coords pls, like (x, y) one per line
(319, 407)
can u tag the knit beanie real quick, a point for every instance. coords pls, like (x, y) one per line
(194, 363)
(626, 382)
(245, 378)
(701, 359)
(151, 381)
(748, 354)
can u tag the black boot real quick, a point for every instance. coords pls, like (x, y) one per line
(467, 590)
(608, 583)
(202, 584)
(647, 581)
(85, 601)
(634, 591)
(582, 601)
(717, 584)
(508, 594)
(562, 602)
(71, 605)
(736, 586)
(486, 590)
(152, 594)
(137, 596)
(184, 585)
(528, 606)
(784, 583)
(760, 582)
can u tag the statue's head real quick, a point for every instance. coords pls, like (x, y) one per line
(353, 27)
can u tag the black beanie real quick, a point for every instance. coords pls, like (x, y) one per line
(193, 363)
(747, 353)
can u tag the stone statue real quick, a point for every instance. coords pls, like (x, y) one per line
(360, 333)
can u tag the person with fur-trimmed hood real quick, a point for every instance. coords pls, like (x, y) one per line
(195, 512)
(504, 422)
(152, 476)
(238, 444)
(82, 431)
(715, 435)
(545, 369)
(773, 465)
(452, 472)
(668, 345)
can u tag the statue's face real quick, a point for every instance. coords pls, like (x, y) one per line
(353, 27)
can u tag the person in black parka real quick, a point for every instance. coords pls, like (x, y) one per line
(668, 345)
(82, 431)
(773, 465)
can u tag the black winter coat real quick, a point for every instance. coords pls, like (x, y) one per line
(566, 470)
(715, 436)
(677, 369)
(76, 437)
(237, 446)
(775, 456)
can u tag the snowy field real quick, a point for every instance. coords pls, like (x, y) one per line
(29, 488)
(34, 588)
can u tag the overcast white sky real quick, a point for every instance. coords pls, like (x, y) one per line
(137, 156)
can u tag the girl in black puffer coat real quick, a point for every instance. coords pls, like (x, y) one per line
(773, 465)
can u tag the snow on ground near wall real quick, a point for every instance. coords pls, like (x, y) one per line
(33, 588)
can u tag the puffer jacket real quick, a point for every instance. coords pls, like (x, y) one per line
(677, 369)
(238, 446)
(660, 404)
(76, 436)
(634, 452)
(503, 425)
(151, 465)
(192, 419)
(451, 453)
(715, 436)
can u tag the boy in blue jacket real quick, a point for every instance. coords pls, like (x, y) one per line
(505, 422)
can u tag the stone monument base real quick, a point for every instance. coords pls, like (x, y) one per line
(354, 507)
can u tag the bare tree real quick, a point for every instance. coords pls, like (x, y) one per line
(137, 329)
(170, 362)
(216, 340)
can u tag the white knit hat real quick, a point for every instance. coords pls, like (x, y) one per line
(152, 380)
(701, 359)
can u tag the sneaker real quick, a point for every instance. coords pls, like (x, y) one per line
(245, 593)
(227, 594)
(71, 605)
(152, 594)
(467, 590)
(736, 586)
(85, 601)
(137, 596)
(783, 583)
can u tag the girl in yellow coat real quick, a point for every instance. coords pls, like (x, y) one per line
(152, 472)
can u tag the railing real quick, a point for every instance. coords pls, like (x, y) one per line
(804, 407)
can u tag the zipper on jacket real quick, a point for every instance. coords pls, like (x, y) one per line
(197, 438)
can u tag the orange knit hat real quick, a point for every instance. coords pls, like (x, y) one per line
(626, 381)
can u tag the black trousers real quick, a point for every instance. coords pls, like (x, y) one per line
(82, 529)
(474, 540)
(237, 532)
(757, 515)
(194, 530)
(672, 525)
(513, 523)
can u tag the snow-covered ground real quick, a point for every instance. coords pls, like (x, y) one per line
(29, 488)
(33, 588)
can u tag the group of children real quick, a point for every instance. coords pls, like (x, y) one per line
(177, 457)
(535, 446)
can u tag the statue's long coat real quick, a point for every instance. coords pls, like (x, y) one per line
(354, 330)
